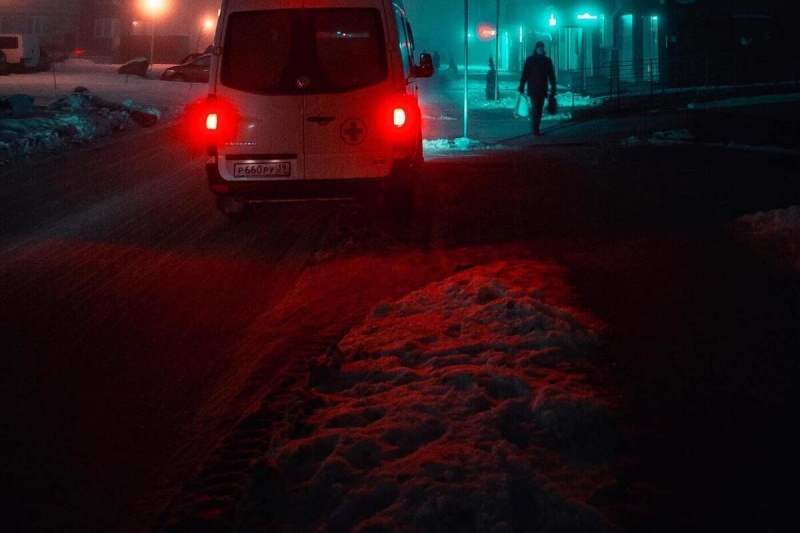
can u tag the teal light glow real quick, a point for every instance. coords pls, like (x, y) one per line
(587, 16)
(552, 21)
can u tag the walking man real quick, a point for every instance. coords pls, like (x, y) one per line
(536, 73)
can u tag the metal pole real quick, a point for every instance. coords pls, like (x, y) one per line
(497, 52)
(466, 60)
(152, 41)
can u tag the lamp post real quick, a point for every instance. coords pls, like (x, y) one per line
(466, 61)
(497, 51)
(206, 26)
(154, 7)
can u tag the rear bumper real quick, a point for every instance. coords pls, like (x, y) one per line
(265, 191)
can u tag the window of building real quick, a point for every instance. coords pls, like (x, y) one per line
(24, 24)
(106, 28)
(606, 31)
(650, 48)
(626, 66)
(37, 25)
(570, 48)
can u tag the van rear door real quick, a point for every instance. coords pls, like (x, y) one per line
(256, 72)
(346, 107)
(311, 87)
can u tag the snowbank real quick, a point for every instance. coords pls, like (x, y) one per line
(75, 118)
(774, 235)
(471, 404)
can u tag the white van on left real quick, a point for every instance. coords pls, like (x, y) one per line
(23, 51)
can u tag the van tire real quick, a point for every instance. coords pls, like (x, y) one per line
(234, 209)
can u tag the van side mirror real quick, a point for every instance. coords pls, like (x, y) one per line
(425, 67)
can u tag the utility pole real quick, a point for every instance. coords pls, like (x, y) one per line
(466, 61)
(497, 52)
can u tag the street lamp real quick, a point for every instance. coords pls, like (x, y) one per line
(207, 24)
(154, 8)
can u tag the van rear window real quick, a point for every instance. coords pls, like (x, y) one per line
(274, 52)
(9, 42)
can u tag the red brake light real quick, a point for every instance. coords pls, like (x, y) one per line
(400, 122)
(208, 122)
(399, 117)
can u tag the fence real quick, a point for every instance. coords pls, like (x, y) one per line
(697, 78)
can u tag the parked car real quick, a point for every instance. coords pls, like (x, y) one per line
(137, 66)
(193, 55)
(5, 68)
(195, 70)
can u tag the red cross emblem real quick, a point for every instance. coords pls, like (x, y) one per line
(353, 131)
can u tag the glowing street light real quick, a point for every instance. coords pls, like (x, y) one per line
(552, 22)
(154, 8)
(207, 25)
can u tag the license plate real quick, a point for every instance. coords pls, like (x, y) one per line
(265, 169)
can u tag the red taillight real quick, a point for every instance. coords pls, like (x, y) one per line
(399, 117)
(222, 120)
(208, 122)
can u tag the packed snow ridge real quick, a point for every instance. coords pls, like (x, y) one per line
(26, 128)
(471, 404)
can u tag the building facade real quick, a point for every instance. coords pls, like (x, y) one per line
(667, 42)
(596, 44)
(56, 22)
(100, 27)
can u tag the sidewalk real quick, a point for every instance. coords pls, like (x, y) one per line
(772, 120)
(753, 115)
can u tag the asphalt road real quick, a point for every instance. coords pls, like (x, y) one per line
(138, 325)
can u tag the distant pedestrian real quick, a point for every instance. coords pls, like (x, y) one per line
(491, 80)
(536, 74)
(436, 61)
(453, 67)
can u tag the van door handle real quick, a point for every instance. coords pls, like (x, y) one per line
(321, 120)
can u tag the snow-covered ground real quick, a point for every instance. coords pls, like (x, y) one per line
(103, 80)
(450, 408)
(56, 116)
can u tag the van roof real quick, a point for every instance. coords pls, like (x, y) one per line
(297, 4)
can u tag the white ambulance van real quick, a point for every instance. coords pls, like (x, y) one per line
(312, 99)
